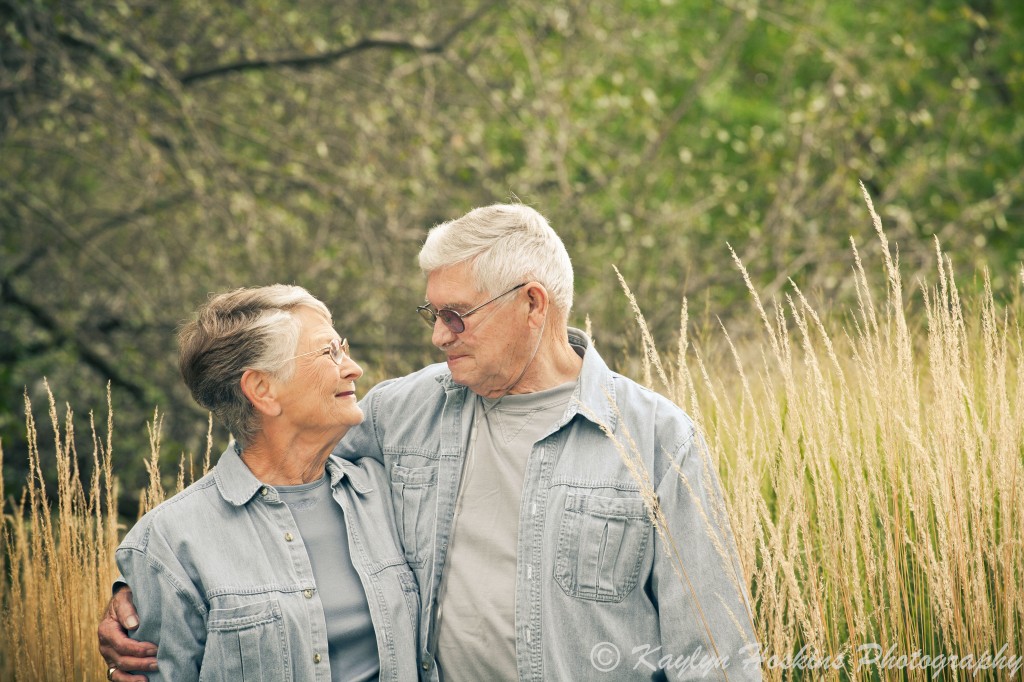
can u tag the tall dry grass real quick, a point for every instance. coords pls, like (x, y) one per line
(871, 468)
(873, 476)
(57, 563)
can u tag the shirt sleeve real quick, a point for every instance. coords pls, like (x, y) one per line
(171, 614)
(697, 581)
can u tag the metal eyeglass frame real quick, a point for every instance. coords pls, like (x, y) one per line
(338, 349)
(453, 319)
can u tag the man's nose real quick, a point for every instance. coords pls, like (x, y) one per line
(442, 335)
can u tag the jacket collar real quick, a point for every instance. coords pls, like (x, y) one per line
(237, 484)
(343, 470)
(594, 397)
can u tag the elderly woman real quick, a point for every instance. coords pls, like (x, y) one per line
(283, 563)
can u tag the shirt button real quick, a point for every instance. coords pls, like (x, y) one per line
(263, 492)
(426, 665)
(288, 537)
(316, 658)
(308, 594)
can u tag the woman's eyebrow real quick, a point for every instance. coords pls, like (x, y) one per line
(326, 336)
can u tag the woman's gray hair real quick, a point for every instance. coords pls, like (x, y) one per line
(507, 244)
(252, 328)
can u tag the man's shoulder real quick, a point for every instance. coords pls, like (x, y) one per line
(643, 406)
(616, 398)
(636, 391)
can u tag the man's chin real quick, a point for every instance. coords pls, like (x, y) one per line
(457, 366)
(460, 377)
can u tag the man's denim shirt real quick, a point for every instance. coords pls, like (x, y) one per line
(597, 593)
(222, 581)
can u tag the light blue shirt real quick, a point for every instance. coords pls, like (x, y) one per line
(223, 583)
(598, 595)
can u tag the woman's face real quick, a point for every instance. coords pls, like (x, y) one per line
(320, 396)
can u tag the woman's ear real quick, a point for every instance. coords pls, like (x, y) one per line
(259, 389)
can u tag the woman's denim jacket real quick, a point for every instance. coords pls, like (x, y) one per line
(224, 587)
(599, 593)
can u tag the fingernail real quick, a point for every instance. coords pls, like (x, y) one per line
(152, 666)
(132, 622)
(151, 651)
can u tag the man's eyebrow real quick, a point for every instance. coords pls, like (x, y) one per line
(453, 306)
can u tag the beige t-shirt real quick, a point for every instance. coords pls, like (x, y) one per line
(476, 620)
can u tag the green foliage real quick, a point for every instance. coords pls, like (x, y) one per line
(153, 152)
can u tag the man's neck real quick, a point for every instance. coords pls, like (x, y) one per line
(556, 363)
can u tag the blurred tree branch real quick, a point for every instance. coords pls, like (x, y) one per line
(61, 336)
(154, 151)
(379, 42)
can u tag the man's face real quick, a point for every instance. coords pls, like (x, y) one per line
(490, 354)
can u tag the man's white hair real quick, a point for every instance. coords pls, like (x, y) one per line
(506, 244)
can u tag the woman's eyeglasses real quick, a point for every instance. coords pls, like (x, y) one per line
(453, 319)
(337, 349)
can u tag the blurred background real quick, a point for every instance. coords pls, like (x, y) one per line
(154, 151)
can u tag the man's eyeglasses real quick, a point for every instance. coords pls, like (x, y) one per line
(337, 349)
(453, 319)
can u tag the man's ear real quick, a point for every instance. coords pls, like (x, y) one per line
(260, 391)
(539, 302)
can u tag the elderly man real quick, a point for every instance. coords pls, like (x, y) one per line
(562, 521)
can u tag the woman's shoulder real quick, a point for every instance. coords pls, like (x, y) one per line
(193, 505)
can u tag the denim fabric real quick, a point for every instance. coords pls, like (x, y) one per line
(599, 594)
(223, 584)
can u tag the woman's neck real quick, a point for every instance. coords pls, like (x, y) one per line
(289, 459)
